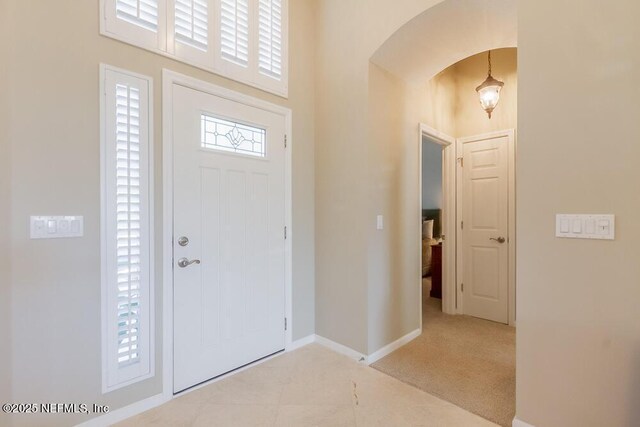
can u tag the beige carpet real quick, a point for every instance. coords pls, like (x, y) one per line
(469, 362)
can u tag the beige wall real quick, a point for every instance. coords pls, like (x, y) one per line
(394, 261)
(6, 33)
(391, 304)
(55, 170)
(348, 34)
(438, 102)
(578, 334)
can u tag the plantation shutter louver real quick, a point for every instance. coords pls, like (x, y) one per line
(270, 38)
(234, 31)
(191, 23)
(143, 13)
(128, 221)
(126, 228)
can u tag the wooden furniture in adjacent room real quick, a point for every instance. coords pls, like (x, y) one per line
(436, 271)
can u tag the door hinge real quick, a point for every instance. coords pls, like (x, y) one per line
(461, 225)
(285, 323)
(285, 232)
(461, 287)
(285, 141)
(461, 160)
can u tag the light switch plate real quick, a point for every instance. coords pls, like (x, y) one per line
(380, 222)
(572, 226)
(56, 227)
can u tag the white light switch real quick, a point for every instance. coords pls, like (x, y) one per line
(55, 227)
(577, 226)
(585, 226)
(380, 222)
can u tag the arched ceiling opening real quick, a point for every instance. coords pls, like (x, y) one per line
(445, 34)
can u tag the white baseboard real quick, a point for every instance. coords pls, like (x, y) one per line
(520, 423)
(342, 349)
(390, 348)
(301, 342)
(125, 412)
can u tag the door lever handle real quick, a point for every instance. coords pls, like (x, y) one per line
(183, 262)
(499, 239)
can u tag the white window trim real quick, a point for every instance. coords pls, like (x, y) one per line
(105, 286)
(210, 61)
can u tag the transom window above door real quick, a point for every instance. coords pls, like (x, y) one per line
(244, 40)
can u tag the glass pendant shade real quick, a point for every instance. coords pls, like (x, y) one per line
(489, 91)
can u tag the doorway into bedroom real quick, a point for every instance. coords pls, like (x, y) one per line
(432, 214)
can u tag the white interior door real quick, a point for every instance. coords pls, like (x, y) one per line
(485, 216)
(229, 218)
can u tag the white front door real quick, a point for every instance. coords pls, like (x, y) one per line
(228, 249)
(485, 215)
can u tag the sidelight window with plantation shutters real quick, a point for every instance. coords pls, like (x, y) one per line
(244, 40)
(126, 228)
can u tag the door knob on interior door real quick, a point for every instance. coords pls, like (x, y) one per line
(499, 239)
(183, 262)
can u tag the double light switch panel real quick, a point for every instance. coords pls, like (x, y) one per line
(55, 227)
(585, 226)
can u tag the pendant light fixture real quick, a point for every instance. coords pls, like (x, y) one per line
(489, 91)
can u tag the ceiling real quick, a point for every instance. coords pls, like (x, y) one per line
(445, 34)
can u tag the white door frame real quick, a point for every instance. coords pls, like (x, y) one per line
(510, 134)
(170, 78)
(448, 219)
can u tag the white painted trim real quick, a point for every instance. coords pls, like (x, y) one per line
(103, 69)
(309, 339)
(390, 348)
(519, 423)
(342, 349)
(459, 259)
(170, 78)
(510, 134)
(125, 412)
(167, 239)
(513, 197)
(449, 299)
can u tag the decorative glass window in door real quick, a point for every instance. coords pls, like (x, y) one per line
(225, 135)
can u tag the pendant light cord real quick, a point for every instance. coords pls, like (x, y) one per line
(489, 63)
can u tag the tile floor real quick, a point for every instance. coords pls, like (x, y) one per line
(312, 386)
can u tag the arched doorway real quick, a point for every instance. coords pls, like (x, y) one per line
(400, 73)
